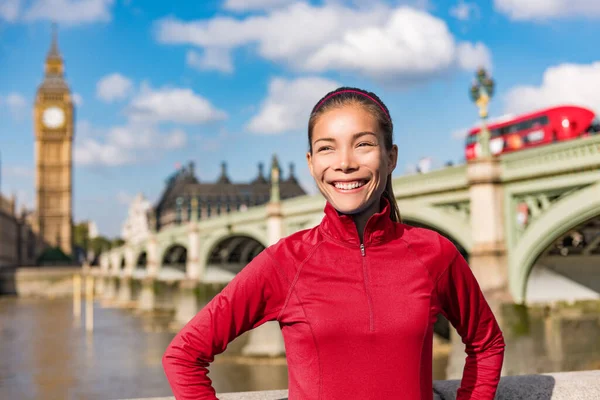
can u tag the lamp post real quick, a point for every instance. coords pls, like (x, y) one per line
(482, 91)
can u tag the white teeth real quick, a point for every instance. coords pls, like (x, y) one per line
(348, 185)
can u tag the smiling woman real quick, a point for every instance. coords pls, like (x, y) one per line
(357, 296)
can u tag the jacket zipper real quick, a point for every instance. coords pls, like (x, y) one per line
(366, 282)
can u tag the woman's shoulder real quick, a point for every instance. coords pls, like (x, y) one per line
(433, 249)
(296, 246)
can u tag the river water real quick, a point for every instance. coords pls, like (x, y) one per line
(45, 353)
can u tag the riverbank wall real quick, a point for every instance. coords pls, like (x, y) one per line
(38, 281)
(584, 385)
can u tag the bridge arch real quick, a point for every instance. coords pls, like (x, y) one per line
(452, 227)
(141, 260)
(174, 256)
(564, 216)
(233, 252)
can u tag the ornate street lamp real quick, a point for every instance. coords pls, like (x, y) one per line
(482, 91)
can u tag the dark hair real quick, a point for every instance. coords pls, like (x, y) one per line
(371, 103)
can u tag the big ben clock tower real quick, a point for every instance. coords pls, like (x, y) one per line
(53, 124)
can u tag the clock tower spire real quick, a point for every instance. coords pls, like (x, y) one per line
(53, 124)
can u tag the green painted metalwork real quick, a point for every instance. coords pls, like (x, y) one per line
(566, 214)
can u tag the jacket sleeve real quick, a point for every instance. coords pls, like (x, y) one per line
(464, 305)
(254, 296)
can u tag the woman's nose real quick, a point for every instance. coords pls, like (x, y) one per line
(346, 161)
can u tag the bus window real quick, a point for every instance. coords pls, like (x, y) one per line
(471, 139)
(594, 128)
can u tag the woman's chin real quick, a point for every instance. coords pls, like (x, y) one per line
(350, 208)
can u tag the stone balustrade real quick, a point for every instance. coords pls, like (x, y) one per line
(584, 385)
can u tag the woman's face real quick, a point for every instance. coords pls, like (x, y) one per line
(349, 161)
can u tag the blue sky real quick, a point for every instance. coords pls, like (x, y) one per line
(159, 83)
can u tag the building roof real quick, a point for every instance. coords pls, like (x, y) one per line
(184, 183)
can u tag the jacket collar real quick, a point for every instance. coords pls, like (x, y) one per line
(340, 227)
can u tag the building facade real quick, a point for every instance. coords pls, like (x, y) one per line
(18, 243)
(53, 125)
(184, 191)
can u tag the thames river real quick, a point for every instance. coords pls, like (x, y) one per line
(47, 354)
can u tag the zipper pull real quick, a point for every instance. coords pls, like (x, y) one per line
(362, 249)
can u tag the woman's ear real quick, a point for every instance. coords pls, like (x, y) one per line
(392, 158)
(309, 162)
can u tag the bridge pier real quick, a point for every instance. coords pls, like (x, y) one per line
(265, 340)
(125, 292)
(488, 257)
(100, 283)
(110, 286)
(186, 303)
(147, 300)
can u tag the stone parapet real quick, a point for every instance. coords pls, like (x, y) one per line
(584, 385)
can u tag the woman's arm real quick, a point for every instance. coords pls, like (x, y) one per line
(463, 304)
(253, 297)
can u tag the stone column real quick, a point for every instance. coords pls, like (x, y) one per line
(125, 296)
(110, 287)
(488, 258)
(104, 263)
(193, 266)
(186, 306)
(147, 299)
(115, 262)
(267, 338)
(152, 262)
(99, 283)
(129, 261)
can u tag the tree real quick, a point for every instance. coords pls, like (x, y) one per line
(81, 236)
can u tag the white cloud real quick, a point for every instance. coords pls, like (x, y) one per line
(15, 103)
(114, 87)
(212, 59)
(141, 139)
(472, 56)
(562, 84)
(288, 104)
(70, 12)
(547, 9)
(124, 145)
(177, 105)
(250, 5)
(400, 43)
(77, 99)
(9, 9)
(464, 11)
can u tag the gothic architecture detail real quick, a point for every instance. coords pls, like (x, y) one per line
(53, 124)
(185, 196)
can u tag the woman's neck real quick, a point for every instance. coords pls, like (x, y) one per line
(361, 219)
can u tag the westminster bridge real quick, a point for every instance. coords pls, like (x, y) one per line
(528, 223)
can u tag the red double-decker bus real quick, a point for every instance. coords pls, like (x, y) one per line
(538, 128)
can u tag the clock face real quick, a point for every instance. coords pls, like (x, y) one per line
(53, 117)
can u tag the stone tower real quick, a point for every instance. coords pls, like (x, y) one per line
(53, 124)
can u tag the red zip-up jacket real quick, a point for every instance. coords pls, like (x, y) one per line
(357, 319)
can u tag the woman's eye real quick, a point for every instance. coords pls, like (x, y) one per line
(323, 148)
(362, 144)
